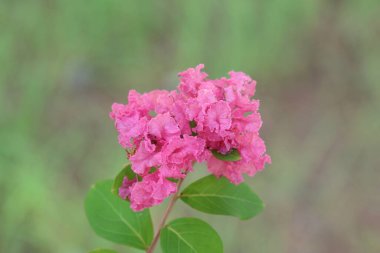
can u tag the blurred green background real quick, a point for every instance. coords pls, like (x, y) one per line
(63, 63)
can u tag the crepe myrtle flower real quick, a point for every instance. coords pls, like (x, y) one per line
(171, 130)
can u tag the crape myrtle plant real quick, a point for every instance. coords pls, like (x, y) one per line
(165, 133)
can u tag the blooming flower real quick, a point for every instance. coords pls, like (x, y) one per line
(171, 130)
(180, 154)
(145, 157)
(152, 190)
(125, 189)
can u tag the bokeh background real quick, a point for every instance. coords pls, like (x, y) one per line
(317, 63)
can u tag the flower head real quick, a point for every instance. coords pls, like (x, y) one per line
(171, 130)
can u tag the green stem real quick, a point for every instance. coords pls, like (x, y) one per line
(165, 217)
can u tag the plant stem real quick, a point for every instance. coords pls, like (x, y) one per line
(165, 217)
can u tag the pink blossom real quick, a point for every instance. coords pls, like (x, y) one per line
(124, 190)
(240, 86)
(128, 123)
(251, 145)
(218, 117)
(151, 191)
(160, 101)
(145, 157)
(246, 121)
(171, 130)
(191, 79)
(179, 112)
(180, 153)
(163, 126)
(233, 171)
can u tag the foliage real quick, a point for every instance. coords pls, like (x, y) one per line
(187, 235)
(112, 218)
(219, 196)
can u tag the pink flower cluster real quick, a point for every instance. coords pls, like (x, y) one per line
(166, 132)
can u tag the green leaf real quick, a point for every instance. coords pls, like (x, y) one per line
(103, 251)
(219, 196)
(232, 156)
(171, 179)
(125, 172)
(192, 124)
(190, 235)
(113, 219)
